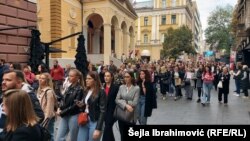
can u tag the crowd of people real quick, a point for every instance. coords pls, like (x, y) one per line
(60, 94)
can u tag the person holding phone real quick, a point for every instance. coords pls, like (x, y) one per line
(147, 99)
(69, 110)
(93, 103)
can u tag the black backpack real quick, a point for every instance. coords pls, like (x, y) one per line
(45, 134)
(36, 105)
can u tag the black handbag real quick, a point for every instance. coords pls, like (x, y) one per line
(45, 134)
(123, 115)
(187, 82)
(166, 82)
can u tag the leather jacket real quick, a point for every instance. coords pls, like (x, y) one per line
(72, 94)
(97, 108)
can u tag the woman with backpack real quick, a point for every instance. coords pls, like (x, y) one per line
(47, 101)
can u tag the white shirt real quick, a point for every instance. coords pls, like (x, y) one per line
(86, 101)
(128, 88)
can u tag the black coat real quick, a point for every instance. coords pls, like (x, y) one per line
(150, 101)
(97, 108)
(24, 133)
(245, 80)
(225, 82)
(69, 106)
(113, 90)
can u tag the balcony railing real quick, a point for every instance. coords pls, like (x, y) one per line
(152, 42)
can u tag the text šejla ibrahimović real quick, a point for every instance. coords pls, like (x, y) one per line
(155, 132)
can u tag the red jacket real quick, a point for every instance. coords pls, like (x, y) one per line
(57, 73)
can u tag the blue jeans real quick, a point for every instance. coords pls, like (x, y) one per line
(68, 124)
(51, 127)
(141, 110)
(171, 88)
(206, 92)
(85, 132)
(237, 84)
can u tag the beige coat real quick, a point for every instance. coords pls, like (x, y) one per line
(47, 102)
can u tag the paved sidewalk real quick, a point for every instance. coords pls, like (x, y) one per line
(184, 111)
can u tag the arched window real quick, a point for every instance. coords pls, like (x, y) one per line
(145, 38)
(164, 5)
(173, 3)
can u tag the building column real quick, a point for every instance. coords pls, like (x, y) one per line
(107, 42)
(184, 20)
(96, 41)
(139, 31)
(118, 40)
(85, 34)
(184, 2)
(178, 20)
(155, 3)
(153, 29)
(125, 42)
(132, 45)
(158, 36)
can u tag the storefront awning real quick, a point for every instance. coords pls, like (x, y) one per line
(145, 53)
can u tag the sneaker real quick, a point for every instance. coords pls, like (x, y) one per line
(236, 94)
(203, 104)
(199, 100)
(220, 102)
(245, 97)
(225, 104)
(164, 98)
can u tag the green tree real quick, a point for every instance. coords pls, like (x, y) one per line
(218, 33)
(176, 41)
(234, 28)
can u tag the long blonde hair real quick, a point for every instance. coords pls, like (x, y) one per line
(48, 80)
(20, 109)
(80, 77)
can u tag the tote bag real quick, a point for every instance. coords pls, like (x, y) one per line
(220, 84)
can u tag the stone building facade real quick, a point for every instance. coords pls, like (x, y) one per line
(107, 25)
(14, 44)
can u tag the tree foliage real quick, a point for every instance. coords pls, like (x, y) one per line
(218, 34)
(81, 56)
(176, 41)
(234, 28)
(36, 51)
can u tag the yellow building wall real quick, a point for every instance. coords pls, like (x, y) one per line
(43, 15)
(156, 48)
(67, 23)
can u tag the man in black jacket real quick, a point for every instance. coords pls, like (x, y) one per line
(15, 80)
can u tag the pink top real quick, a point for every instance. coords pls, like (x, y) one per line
(207, 77)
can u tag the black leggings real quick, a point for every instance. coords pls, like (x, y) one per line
(245, 91)
(199, 92)
(122, 125)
